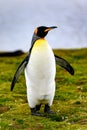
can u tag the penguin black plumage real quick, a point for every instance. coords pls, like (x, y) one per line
(40, 71)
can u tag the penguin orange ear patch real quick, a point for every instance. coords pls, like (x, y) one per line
(36, 30)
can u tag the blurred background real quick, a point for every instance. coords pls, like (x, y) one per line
(19, 18)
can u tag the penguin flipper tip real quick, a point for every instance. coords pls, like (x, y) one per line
(13, 83)
(70, 69)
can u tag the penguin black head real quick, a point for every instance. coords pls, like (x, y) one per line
(42, 31)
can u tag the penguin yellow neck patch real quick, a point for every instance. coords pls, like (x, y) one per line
(41, 43)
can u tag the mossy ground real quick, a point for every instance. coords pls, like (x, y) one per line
(70, 102)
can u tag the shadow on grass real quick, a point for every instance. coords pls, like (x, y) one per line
(55, 117)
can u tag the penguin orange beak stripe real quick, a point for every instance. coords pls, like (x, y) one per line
(50, 28)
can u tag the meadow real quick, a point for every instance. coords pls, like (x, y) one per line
(70, 102)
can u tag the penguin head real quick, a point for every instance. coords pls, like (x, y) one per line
(42, 31)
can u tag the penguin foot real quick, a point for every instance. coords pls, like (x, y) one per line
(35, 113)
(47, 110)
(38, 107)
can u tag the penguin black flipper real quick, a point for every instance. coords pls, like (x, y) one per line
(63, 63)
(24, 63)
(19, 70)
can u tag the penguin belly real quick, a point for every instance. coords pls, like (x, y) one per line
(40, 74)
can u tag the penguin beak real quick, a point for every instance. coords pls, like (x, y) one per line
(50, 28)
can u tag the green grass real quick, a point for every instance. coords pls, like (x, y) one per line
(70, 102)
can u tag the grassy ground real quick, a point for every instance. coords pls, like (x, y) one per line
(70, 103)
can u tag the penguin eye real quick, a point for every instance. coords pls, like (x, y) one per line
(36, 30)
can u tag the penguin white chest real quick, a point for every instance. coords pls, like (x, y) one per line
(42, 62)
(40, 74)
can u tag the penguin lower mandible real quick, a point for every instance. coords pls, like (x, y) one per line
(40, 70)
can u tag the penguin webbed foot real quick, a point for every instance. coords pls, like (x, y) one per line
(48, 110)
(38, 107)
(35, 113)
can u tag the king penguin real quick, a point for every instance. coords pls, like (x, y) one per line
(40, 70)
